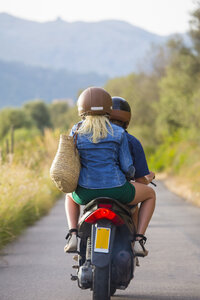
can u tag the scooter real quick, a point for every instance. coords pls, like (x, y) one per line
(106, 260)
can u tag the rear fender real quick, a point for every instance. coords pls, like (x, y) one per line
(102, 259)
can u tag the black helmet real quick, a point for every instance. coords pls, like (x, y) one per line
(121, 110)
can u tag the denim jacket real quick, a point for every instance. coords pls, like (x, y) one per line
(105, 164)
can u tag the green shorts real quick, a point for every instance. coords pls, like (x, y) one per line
(124, 194)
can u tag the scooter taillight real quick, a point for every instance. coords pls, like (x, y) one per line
(104, 213)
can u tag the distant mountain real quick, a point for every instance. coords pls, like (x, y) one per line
(108, 47)
(19, 83)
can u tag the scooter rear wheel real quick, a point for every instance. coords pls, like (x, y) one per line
(112, 290)
(101, 283)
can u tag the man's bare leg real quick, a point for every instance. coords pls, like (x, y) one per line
(147, 197)
(135, 217)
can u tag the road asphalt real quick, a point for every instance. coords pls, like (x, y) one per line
(34, 267)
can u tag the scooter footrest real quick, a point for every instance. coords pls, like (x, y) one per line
(74, 277)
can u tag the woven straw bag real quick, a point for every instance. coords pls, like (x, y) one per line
(65, 168)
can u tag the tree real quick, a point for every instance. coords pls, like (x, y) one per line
(142, 93)
(13, 117)
(38, 111)
(195, 28)
(58, 112)
(176, 105)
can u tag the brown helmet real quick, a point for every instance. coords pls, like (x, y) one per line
(94, 101)
(121, 110)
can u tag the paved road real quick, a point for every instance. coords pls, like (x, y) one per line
(35, 267)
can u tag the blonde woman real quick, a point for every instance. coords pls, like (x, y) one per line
(106, 163)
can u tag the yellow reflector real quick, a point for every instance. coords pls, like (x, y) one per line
(102, 240)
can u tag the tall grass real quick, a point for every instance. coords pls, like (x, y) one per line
(178, 157)
(27, 192)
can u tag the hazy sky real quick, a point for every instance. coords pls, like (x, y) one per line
(159, 16)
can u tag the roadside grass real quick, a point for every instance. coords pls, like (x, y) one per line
(27, 192)
(178, 158)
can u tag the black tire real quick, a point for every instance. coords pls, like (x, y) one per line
(101, 283)
(112, 290)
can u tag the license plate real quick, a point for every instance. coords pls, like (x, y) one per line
(102, 240)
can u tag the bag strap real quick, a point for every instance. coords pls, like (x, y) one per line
(75, 135)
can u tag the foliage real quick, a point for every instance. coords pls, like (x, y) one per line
(58, 113)
(142, 93)
(27, 192)
(13, 117)
(195, 28)
(62, 116)
(38, 111)
(177, 88)
(71, 118)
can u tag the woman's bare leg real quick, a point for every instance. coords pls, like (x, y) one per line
(147, 197)
(72, 210)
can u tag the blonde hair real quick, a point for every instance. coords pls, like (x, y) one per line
(98, 126)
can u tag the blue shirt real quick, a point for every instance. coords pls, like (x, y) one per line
(138, 156)
(107, 163)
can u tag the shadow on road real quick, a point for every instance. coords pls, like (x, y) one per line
(152, 297)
